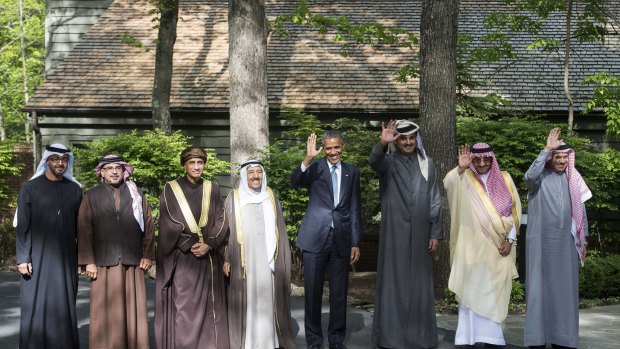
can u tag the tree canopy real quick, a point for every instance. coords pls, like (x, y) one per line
(22, 60)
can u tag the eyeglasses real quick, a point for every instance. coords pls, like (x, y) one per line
(56, 159)
(485, 159)
(111, 169)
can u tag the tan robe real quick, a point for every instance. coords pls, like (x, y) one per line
(118, 313)
(480, 277)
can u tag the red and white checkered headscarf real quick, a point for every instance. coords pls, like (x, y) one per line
(496, 186)
(579, 193)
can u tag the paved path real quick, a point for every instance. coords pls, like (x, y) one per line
(599, 327)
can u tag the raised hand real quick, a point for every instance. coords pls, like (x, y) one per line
(311, 150)
(464, 158)
(388, 134)
(553, 141)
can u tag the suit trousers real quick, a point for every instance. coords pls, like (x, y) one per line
(337, 268)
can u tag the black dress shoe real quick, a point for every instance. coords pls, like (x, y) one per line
(337, 346)
(315, 346)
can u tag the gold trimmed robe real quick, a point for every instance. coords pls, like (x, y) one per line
(190, 301)
(480, 277)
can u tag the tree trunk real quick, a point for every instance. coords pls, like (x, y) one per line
(249, 107)
(438, 37)
(162, 80)
(567, 93)
(22, 47)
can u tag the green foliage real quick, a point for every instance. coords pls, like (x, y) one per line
(154, 156)
(482, 107)
(12, 61)
(448, 304)
(468, 58)
(132, 41)
(345, 32)
(408, 71)
(545, 44)
(517, 295)
(281, 157)
(160, 7)
(599, 284)
(606, 95)
(7, 168)
(7, 242)
(600, 276)
(530, 16)
(517, 142)
(287, 152)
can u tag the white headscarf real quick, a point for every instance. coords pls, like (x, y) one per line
(54, 149)
(248, 196)
(404, 128)
(60, 150)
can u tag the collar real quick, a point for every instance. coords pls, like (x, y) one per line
(329, 164)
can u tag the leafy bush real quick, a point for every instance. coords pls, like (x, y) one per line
(154, 156)
(7, 168)
(600, 276)
(7, 242)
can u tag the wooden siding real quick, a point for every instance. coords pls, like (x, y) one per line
(65, 23)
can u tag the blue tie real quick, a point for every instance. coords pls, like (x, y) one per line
(335, 185)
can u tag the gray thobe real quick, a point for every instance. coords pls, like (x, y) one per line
(410, 216)
(552, 277)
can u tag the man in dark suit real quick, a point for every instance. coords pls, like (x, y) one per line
(330, 235)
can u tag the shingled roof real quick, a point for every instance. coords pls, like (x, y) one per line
(306, 71)
(534, 81)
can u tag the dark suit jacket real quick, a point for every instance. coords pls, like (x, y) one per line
(320, 212)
